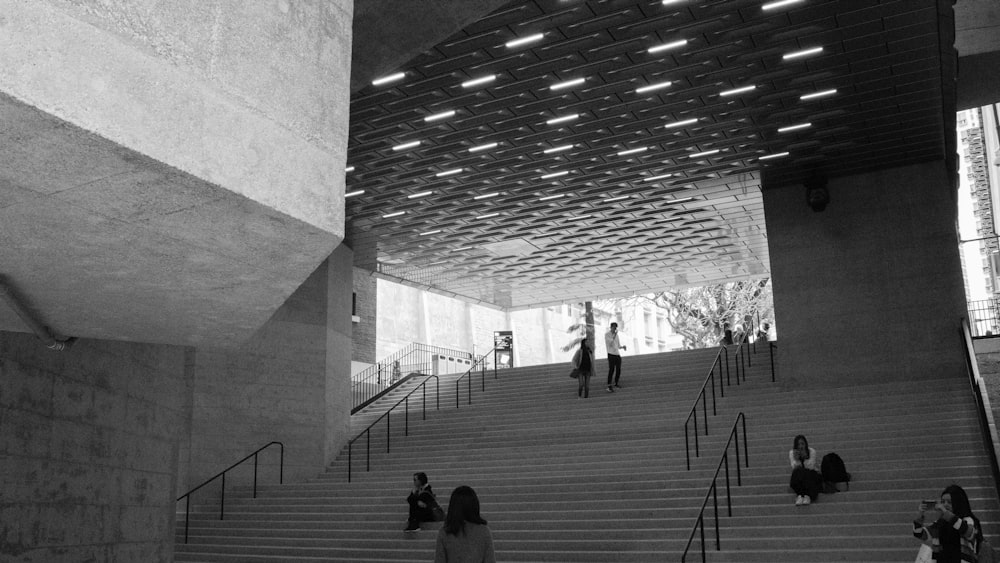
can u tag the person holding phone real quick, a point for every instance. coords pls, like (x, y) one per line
(806, 480)
(949, 527)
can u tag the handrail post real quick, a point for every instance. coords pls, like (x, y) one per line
(718, 362)
(388, 431)
(715, 501)
(368, 451)
(406, 417)
(704, 409)
(254, 475)
(222, 499)
(687, 450)
(729, 498)
(770, 348)
(711, 375)
(701, 520)
(187, 516)
(696, 453)
(726, 353)
(423, 400)
(350, 445)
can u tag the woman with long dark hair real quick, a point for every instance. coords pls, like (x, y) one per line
(806, 480)
(464, 538)
(583, 362)
(421, 501)
(949, 527)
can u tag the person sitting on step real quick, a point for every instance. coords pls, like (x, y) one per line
(421, 501)
(806, 480)
(949, 527)
(464, 538)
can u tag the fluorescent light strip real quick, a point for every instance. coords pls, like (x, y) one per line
(681, 123)
(735, 91)
(567, 84)
(524, 40)
(485, 147)
(666, 46)
(651, 87)
(405, 146)
(578, 217)
(488, 215)
(479, 81)
(430, 233)
(354, 193)
(669, 2)
(349, 169)
(557, 149)
(794, 127)
(388, 79)
(438, 116)
(548, 197)
(391, 215)
(555, 175)
(682, 200)
(487, 196)
(706, 153)
(421, 194)
(562, 119)
(775, 155)
(803, 53)
(633, 151)
(448, 172)
(779, 4)
(618, 198)
(660, 177)
(819, 94)
(461, 248)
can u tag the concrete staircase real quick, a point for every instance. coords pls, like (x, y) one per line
(603, 479)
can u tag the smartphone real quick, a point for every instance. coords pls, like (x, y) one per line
(927, 505)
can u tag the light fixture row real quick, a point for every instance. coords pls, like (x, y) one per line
(572, 117)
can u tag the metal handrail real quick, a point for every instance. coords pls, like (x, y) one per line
(481, 362)
(381, 377)
(702, 397)
(713, 490)
(710, 378)
(987, 425)
(388, 426)
(222, 502)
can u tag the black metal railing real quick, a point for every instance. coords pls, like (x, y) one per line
(984, 317)
(987, 424)
(691, 422)
(382, 377)
(388, 423)
(222, 500)
(703, 397)
(480, 366)
(713, 489)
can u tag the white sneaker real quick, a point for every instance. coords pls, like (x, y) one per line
(798, 500)
(805, 500)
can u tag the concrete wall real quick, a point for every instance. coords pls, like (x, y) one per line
(364, 330)
(282, 385)
(870, 288)
(89, 440)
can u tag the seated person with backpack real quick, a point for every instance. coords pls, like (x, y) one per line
(806, 480)
(422, 503)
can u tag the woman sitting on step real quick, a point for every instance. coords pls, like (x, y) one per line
(421, 502)
(949, 528)
(464, 538)
(806, 480)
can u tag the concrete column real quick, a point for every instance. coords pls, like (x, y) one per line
(871, 288)
(338, 351)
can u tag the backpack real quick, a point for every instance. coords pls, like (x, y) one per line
(833, 470)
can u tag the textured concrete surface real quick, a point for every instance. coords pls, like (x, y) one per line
(169, 172)
(289, 383)
(89, 440)
(871, 287)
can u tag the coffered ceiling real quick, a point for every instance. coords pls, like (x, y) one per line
(564, 150)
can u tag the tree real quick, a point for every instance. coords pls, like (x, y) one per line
(699, 314)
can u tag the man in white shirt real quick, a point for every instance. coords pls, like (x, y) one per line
(614, 357)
